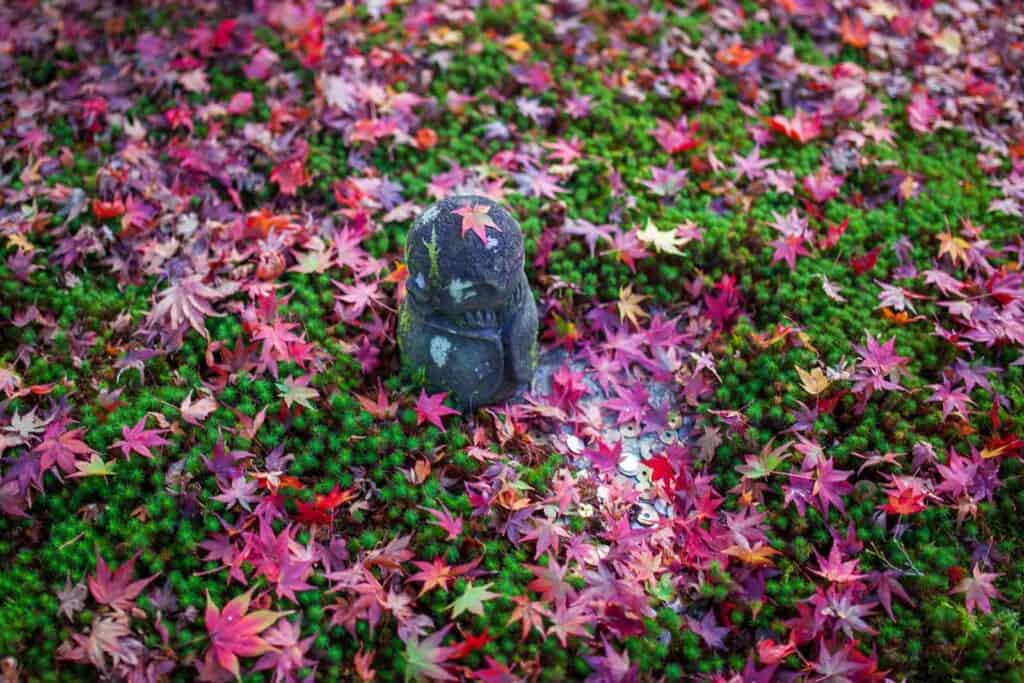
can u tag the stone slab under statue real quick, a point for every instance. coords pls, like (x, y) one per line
(468, 319)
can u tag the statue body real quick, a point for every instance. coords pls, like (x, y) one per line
(468, 318)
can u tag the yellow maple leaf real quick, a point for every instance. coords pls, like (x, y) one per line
(814, 382)
(629, 305)
(516, 47)
(96, 467)
(663, 241)
(755, 557)
(949, 41)
(955, 246)
(886, 10)
(19, 240)
(444, 36)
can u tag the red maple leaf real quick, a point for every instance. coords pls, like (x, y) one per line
(803, 127)
(865, 262)
(104, 210)
(290, 176)
(431, 409)
(661, 470)
(834, 233)
(475, 219)
(321, 510)
(471, 644)
(906, 496)
(381, 408)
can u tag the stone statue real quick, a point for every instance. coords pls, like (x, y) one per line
(468, 318)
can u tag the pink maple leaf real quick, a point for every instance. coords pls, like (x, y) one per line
(880, 366)
(431, 409)
(823, 185)
(570, 621)
(61, 446)
(631, 403)
(277, 338)
(979, 590)
(887, 584)
(423, 658)
(550, 581)
(835, 569)
(922, 113)
(138, 439)
(534, 182)
(546, 532)
(475, 219)
(953, 398)
(187, 301)
(289, 653)
(116, 588)
(676, 137)
(360, 295)
(452, 525)
(788, 249)
(830, 485)
(194, 412)
(235, 632)
(590, 233)
(606, 457)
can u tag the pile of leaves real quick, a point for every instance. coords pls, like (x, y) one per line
(802, 218)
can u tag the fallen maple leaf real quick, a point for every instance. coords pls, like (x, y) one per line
(472, 600)
(629, 305)
(978, 589)
(475, 219)
(663, 241)
(96, 467)
(117, 588)
(235, 633)
(755, 557)
(431, 409)
(814, 382)
(803, 127)
(195, 413)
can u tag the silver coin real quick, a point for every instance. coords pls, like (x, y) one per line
(647, 516)
(629, 465)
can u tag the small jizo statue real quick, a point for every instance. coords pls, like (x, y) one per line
(468, 318)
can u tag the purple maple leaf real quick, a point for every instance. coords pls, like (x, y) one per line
(138, 439)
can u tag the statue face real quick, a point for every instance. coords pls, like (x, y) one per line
(468, 317)
(483, 303)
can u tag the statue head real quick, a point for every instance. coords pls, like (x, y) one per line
(468, 318)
